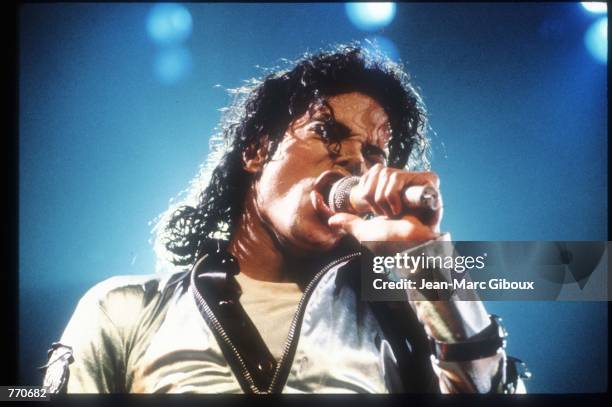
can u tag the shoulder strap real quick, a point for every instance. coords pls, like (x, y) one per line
(217, 294)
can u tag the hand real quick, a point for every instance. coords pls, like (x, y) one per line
(382, 188)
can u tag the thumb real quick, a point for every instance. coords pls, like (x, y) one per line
(345, 221)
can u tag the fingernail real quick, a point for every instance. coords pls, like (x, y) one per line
(334, 222)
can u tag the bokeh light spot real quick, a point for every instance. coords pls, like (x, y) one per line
(595, 7)
(596, 40)
(370, 16)
(172, 64)
(169, 23)
(380, 44)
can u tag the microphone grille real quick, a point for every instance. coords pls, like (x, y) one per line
(340, 193)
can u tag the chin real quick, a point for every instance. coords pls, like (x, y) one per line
(317, 238)
(309, 234)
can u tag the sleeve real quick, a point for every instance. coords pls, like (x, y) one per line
(447, 317)
(91, 356)
(88, 358)
(491, 374)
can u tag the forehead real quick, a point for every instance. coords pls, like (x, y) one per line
(360, 113)
(357, 105)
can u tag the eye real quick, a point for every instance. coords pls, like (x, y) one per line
(321, 129)
(374, 153)
(330, 130)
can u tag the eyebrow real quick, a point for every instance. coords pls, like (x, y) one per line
(342, 127)
(324, 109)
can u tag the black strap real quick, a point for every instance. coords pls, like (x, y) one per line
(221, 292)
(484, 344)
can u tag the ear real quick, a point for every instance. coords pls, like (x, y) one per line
(254, 157)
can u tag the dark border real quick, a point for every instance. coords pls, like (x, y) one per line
(10, 201)
(10, 310)
(535, 400)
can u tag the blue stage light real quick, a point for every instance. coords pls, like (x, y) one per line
(596, 40)
(595, 7)
(383, 45)
(172, 64)
(169, 23)
(370, 16)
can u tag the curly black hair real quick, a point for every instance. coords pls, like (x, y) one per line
(266, 108)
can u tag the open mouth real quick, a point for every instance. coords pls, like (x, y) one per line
(320, 193)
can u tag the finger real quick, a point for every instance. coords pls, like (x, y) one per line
(382, 229)
(345, 222)
(393, 191)
(411, 228)
(390, 191)
(360, 229)
(420, 178)
(368, 188)
(380, 196)
(412, 179)
(433, 218)
(370, 172)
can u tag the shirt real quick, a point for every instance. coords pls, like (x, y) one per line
(271, 306)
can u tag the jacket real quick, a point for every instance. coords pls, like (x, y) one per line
(185, 332)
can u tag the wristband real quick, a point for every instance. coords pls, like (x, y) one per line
(484, 344)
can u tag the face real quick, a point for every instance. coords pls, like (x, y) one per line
(285, 189)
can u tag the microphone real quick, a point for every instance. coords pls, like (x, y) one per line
(342, 197)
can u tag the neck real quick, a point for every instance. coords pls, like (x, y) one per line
(254, 246)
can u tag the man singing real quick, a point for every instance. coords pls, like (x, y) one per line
(264, 292)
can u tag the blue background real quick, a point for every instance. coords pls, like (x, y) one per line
(518, 105)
